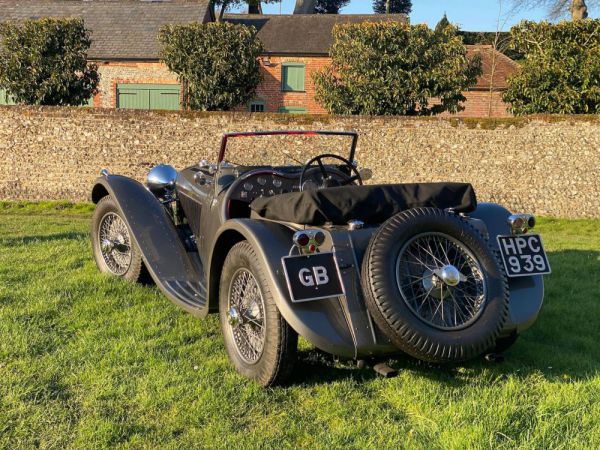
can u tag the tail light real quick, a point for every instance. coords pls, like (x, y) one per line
(521, 223)
(308, 241)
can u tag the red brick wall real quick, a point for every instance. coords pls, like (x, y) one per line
(483, 104)
(270, 92)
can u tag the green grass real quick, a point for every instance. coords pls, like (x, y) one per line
(87, 361)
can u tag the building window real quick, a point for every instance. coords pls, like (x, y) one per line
(292, 110)
(149, 96)
(257, 106)
(5, 99)
(292, 77)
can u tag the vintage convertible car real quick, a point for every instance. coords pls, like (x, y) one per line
(293, 248)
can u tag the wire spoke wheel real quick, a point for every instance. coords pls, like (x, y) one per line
(115, 243)
(246, 316)
(441, 281)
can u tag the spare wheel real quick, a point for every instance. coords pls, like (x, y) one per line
(434, 286)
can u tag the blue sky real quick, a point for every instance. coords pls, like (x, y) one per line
(479, 15)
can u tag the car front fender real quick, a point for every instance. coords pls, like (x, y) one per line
(172, 268)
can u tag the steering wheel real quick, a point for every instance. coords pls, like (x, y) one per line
(326, 173)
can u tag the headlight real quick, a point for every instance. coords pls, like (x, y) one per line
(521, 223)
(161, 178)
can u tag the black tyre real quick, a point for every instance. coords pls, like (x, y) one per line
(115, 251)
(434, 286)
(260, 343)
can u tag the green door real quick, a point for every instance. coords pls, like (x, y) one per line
(165, 98)
(5, 99)
(148, 96)
(132, 97)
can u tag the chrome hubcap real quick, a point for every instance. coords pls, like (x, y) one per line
(115, 243)
(233, 317)
(449, 275)
(441, 281)
(245, 316)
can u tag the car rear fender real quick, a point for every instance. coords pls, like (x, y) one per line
(323, 323)
(526, 293)
(176, 272)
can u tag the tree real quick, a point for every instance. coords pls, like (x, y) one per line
(442, 24)
(44, 62)
(392, 6)
(560, 73)
(305, 6)
(390, 68)
(330, 6)
(254, 6)
(217, 63)
(557, 8)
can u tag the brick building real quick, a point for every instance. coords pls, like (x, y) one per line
(124, 44)
(126, 50)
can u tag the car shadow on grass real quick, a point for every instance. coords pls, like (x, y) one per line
(562, 346)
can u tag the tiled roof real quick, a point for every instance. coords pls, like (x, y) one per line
(312, 35)
(306, 34)
(119, 29)
(492, 61)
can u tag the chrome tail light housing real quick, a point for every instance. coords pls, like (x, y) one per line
(521, 223)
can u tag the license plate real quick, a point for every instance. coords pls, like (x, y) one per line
(312, 277)
(523, 255)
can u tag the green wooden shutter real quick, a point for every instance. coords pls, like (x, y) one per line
(292, 77)
(292, 110)
(148, 96)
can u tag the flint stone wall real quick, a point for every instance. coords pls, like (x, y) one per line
(547, 166)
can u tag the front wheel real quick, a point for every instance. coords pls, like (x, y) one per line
(115, 251)
(259, 342)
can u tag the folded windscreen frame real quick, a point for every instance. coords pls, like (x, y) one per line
(261, 148)
(370, 204)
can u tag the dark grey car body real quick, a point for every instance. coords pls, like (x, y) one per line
(186, 263)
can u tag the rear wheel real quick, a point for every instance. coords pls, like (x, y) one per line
(259, 342)
(115, 251)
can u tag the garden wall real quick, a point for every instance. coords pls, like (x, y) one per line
(548, 166)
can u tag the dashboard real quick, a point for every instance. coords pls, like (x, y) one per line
(265, 183)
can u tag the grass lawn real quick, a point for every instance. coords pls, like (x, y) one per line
(87, 361)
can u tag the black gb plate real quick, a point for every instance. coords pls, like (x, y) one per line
(312, 277)
(523, 255)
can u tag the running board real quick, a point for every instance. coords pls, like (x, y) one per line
(189, 295)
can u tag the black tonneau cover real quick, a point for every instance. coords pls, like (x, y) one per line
(371, 204)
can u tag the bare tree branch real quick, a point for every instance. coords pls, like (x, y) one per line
(557, 8)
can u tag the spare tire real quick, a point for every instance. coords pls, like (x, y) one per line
(434, 286)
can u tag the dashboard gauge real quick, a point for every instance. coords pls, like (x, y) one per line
(248, 186)
(277, 183)
(261, 180)
(310, 185)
